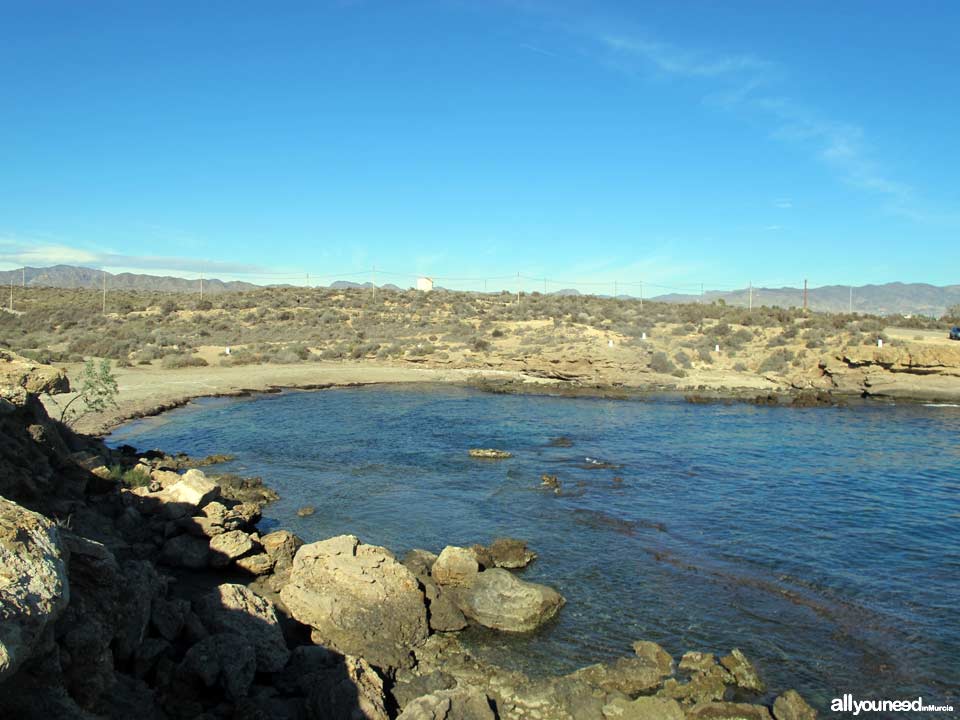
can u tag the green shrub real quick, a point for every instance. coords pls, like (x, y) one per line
(182, 360)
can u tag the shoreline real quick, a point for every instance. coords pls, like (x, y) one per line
(152, 391)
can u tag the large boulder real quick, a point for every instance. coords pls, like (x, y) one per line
(358, 599)
(630, 676)
(34, 588)
(497, 599)
(236, 609)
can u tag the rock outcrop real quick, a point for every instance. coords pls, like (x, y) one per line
(358, 600)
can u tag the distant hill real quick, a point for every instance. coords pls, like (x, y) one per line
(888, 299)
(68, 276)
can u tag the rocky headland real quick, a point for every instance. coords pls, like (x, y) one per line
(137, 585)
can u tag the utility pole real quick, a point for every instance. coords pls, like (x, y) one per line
(804, 294)
(751, 295)
(11, 294)
(103, 308)
(850, 307)
(641, 294)
(201, 286)
(373, 282)
(308, 279)
(518, 288)
(614, 289)
(701, 293)
(23, 277)
(544, 286)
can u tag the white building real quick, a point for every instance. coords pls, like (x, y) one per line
(424, 284)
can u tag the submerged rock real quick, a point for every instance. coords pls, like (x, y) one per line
(358, 599)
(790, 706)
(498, 599)
(489, 454)
(630, 676)
(744, 673)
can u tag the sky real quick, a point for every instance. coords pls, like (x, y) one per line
(664, 143)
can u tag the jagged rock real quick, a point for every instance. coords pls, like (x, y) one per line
(169, 616)
(185, 551)
(728, 711)
(460, 703)
(34, 589)
(630, 676)
(405, 691)
(243, 516)
(744, 673)
(489, 454)
(306, 511)
(694, 661)
(497, 599)
(358, 599)
(225, 660)
(456, 566)
(702, 687)
(643, 708)
(216, 511)
(654, 655)
(259, 564)
(790, 706)
(236, 609)
(510, 553)
(229, 546)
(281, 546)
(352, 690)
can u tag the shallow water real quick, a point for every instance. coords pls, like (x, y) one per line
(823, 542)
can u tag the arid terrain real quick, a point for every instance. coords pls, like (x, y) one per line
(168, 347)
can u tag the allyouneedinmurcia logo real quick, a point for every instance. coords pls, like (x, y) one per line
(849, 705)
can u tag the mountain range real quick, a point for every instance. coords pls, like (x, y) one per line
(887, 299)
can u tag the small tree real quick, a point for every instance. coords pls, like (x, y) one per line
(98, 390)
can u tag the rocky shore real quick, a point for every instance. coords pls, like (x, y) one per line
(138, 585)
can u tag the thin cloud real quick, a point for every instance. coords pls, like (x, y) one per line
(671, 59)
(538, 50)
(20, 252)
(783, 203)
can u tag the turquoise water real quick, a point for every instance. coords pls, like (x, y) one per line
(823, 542)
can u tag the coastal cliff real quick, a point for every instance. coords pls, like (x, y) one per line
(137, 584)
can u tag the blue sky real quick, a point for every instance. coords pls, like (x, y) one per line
(673, 143)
